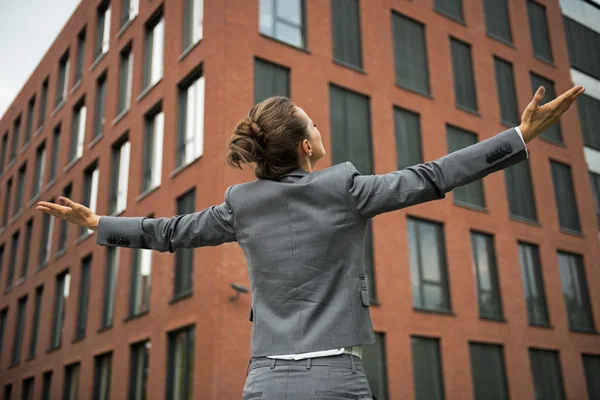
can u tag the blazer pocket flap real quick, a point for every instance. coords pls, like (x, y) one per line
(364, 294)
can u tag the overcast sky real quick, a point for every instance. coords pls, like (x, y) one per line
(27, 29)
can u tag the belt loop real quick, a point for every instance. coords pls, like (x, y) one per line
(273, 363)
(308, 360)
(352, 363)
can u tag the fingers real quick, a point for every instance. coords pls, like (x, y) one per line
(67, 202)
(52, 207)
(538, 96)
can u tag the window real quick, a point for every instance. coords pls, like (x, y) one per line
(19, 331)
(284, 20)
(100, 116)
(102, 29)
(7, 202)
(13, 260)
(8, 391)
(138, 379)
(125, 78)
(90, 192)
(345, 22)
(102, 375)
(153, 149)
(428, 273)
(80, 56)
(583, 43)
(553, 132)
(184, 258)
(110, 286)
(43, 104)
(452, 8)
(154, 51)
(141, 274)
(55, 154)
(129, 10)
(77, 132)
(29, 126)
(538, 27)
(507, 94)
(488, 371)
(3, 318)
(547, 376)
(64, 225)
(407, 129)
(84, 297)
(26, 248)
(575, 290)
(589, 114)
(60, 304)
(350, 119)
(519, 188)
(27, 393)
(192, 22)
(1, 259)
(46, 385)
(591, 367)
(4, 152)
(191, 120)
(46, 242)
(471, 194)
(427, 368)
(71, 388)
(119, 181)
(486, 273)
(497, 19)
(374, 363)
(464, 75)
(564, 193)
(410, 54)
(35, 322)
(533, 285)
(595, 178)
(19, 193)
(15, 139)
(62, 83)
(40, 164)
(270, 80)
(180, 364)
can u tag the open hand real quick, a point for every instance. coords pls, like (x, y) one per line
(70, 211)
(536, 118)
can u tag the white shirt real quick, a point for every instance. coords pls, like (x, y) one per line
(334, 352)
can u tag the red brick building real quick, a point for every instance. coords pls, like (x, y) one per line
(489, 293)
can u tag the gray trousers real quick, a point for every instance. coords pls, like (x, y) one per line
(323, 378)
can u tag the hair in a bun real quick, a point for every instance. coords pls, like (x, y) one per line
(268, 137)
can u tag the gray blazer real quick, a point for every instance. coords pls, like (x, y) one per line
(303, 237)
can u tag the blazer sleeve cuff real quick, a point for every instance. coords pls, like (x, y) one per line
(120, 232)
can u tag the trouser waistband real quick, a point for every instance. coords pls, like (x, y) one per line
(345, 360)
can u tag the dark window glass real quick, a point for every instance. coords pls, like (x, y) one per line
(102, 376)
(589, 114)
(488, 285)
(15, 139)
(575, 291)
(427, 368)
(153, 149)
(4, 152)
(13, 260)
(46, 239)
(77, 131)
(452, 8)
(129, 10)
(62, 83)
(46, 385)
(84, 297)
(26, 248)
(190, 132)
(35, 322)
(138, 378)
(547, 376)
(507, 94)
(193, 16)
(591, 366)
(583, 44)
(27, 392)
(141, 274)
(119, 175)
(19, 331)
(270, 80)
(488, 371)
(8, 391)
(180, 364)
(102, 29)
(464, 75)
(284, 20)
(472, 193)
(64, 225)
(100, 116)
(428, 272)
(125, 79)
(533, 285)
(153, 50)
(497, 20)
(55, 154)
(410, 53)
(40, 164)
(595, 179)
(564, 193)
(43, 104)
(60, 303)
(110, 285)
(20, 189)
(80, 56)
(538, 28)
(345, 21)
(407, 128)
(3, 322)
(553, 132)
(71, 386)
(29, 126)
(519, 189)
(7, 202)
(350, 115)
(90, 192)
(184, 258)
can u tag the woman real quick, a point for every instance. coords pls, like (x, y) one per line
(302, 233)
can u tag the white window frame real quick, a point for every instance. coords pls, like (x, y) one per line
(40, 183)
(194, 134)
(123, 177)
(157, 153)
(49, 241)
(158, 47)
(81, 132)
(106, 30)
(94, 193)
